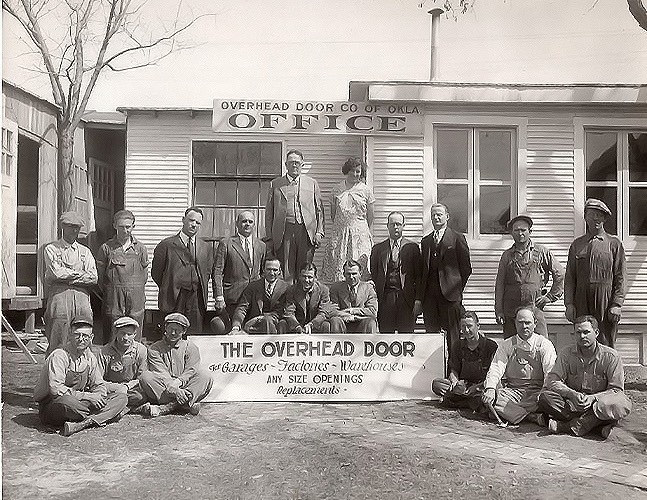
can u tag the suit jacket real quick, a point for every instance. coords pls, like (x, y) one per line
(309, 200)
(252, 300)
(232, 271)
(366, 298)
(171, 269)
(454, 266)
(410, 269)
(295, 304)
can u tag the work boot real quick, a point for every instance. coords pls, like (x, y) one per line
(157, 410)
(194, 408)
(70, 428)
(605, 431)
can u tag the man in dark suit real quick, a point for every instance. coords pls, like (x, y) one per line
(445, 269)
(307, 305)
(262, 304)
(294, 216)
(239, 260)
(182, 265)
(356, 301)
(396, 272)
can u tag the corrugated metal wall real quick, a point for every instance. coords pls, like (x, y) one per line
(158, 170)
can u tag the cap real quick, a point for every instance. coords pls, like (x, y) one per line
(82, 320)
(596, 204)
(71, 219)
(125, 321)
(178, 318)
(527, 218)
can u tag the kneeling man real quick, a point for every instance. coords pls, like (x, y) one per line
(174, 380)
(585, 389)
(70, 391)
(262, 304)
(123, 361)
(524, 360)
(356, 302)
(469, 361)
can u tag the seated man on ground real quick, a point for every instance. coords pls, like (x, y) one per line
(524, 360)
(356, 302)
(174, 380)
(70, 391)
(123, 361)
(585, 389)
(262, 304)
(307, 305)
(469, 361)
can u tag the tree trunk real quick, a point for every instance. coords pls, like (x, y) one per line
(66, 193)
(639, 12)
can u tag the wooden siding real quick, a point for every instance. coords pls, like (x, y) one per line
(158, 171)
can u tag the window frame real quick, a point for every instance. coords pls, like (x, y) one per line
(621, 127)
(518, 152)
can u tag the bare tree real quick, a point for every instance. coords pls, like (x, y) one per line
(77, 40)
(638, 10)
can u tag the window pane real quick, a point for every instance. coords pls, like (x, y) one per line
(608, 196)
(638, 211)
(601, 158)
(26, 270)
(249, 158)
(226, 193)
(248, 193)
(204, 154)
(637, 157)
(494, 154)
(495, 209)
(452, 154)
(271, 160)
(226, 157)
(206, 229)
(265, 186)
(224, 222)
(27, 228)
(204, 193)
(454, 197)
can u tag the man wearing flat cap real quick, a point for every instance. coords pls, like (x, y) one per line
(123, 360)
(71, 391)
(174, 380)
(524, 272)
(70, 272)
(596, 274)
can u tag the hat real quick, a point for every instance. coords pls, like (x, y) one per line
(524, 217)
(71, 219)
(82, 320)
(178, 318)
(597, 205)
(125, 321)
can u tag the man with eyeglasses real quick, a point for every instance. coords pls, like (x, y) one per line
(294, 217)
(71, 391)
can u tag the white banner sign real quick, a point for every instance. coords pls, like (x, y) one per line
(321, 367)
(336, 117)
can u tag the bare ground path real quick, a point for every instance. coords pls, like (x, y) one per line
(293, 450)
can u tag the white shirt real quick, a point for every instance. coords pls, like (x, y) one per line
(270, 286)
(250, 250)
(439, 233)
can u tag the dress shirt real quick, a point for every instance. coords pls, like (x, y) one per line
(396, 246)
(250, 250)
(269, 288)
(439, 233)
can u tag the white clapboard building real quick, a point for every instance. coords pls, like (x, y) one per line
(485, 150)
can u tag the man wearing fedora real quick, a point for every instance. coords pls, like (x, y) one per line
(596, 274)
(522, 277)
(70, 273)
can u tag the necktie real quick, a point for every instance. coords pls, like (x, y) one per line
(268, 290)
(191, 248)
(247, 250)
(353, 296)
(395, 251)
(436, 237)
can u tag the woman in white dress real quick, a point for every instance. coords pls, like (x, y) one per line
(351, 208)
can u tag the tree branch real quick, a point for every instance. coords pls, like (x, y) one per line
(639, 12)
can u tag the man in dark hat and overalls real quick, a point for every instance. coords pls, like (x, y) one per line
(524, 270)
(70, 272)
(596, 273)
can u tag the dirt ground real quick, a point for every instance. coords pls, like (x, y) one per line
(292, 450)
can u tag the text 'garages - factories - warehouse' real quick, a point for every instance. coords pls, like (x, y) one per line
(484, 150)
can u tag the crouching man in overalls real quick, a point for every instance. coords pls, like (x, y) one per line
(523, 361)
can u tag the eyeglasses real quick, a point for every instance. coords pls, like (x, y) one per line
(82, 336)
(293, 162)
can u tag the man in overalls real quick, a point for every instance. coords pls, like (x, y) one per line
(524, 360)
(71, 391)
(523, 273)
(70, 273)
(122, 263)
(469, 361)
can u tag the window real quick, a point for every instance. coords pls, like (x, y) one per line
(616, 173)
(8, 152)
(231, 176)
(474, 177)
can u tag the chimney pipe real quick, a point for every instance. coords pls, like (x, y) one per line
(433, 63)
